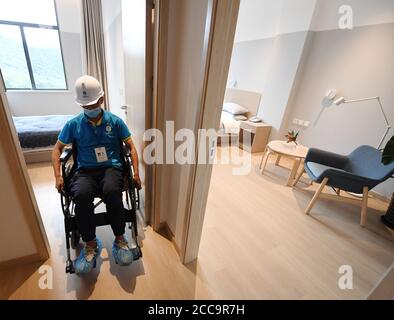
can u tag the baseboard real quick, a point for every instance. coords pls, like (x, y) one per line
(38, 155)
(379, 196)
(384, 290)
(20, 261)
(165, 228)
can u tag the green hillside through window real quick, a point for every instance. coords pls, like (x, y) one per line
(30, 52)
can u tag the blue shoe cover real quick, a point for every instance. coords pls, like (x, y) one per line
(122, 253)
(87, 258)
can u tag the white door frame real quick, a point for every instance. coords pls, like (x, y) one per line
(223, 26)
(157, 114)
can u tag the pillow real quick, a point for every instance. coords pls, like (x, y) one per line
(234, 108)
(240, 117)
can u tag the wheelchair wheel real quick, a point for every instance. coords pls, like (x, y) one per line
(75, 239)
(133, 198)
(137, 197)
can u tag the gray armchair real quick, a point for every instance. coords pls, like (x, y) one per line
(358, 173)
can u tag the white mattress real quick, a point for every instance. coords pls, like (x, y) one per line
(228, 124)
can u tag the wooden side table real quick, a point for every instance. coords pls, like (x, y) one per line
(259, 132)
(290, 150)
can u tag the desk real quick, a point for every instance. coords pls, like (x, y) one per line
(260, 133)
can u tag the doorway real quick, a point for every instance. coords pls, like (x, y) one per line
(256, 241)
(130, 66)
(129, 46)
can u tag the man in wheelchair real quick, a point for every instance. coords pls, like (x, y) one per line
(96, 134)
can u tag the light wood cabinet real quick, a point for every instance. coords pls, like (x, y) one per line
(259, 135)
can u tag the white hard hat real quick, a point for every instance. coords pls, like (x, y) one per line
(87, 91)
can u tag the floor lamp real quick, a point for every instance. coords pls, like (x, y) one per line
(342, 100)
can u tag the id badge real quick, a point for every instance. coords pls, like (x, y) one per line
(101, 154)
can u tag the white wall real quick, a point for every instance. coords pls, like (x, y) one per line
(133, 26)
(366, 12)
(358, 63)
(250, 64)
(270, 63)
(113, 40)
(260, 19)
(284, 68)
(28, 103)
(257, 19)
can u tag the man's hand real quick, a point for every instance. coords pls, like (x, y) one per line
(134, 158)
(59, 183)
(137, 179)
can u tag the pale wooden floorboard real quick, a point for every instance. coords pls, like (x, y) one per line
(159, 275)
(257, 243)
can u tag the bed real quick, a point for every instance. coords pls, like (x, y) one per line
(38, 134)
(229, 125)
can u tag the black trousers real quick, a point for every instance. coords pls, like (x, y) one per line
(87, 183)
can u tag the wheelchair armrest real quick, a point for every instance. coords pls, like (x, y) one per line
(126, 150)
(66, 155)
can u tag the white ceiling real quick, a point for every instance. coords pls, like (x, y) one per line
(259, 19)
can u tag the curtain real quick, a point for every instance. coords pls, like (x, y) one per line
(94, 44)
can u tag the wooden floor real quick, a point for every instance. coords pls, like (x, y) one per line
(159, 275)
(256, 244)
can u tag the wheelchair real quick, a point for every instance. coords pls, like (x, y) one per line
(68, 169)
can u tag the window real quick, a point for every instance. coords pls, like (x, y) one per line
(30, 52)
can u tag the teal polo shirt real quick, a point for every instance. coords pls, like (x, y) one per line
(98, 145)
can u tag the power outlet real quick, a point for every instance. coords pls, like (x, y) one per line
(301, 123)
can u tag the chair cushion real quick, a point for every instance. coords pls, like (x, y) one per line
(317, 170)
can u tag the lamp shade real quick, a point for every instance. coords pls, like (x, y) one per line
(339, 101)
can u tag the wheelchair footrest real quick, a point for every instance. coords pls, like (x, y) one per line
(137, 253)
(70, 267)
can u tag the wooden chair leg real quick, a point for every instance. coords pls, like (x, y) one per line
(316, 196)
(364, 207)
